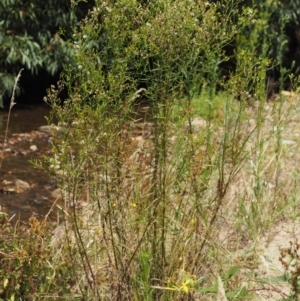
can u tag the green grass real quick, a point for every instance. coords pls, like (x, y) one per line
(211, 107)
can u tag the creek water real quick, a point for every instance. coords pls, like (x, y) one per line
(24, 143)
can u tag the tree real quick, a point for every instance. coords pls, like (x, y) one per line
(281, 20)
(33, 36)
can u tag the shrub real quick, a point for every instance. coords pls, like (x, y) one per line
(147, 200)
(30, 268)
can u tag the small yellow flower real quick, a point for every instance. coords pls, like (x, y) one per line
(5, 282)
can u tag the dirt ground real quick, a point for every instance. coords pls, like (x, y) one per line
(278, 248)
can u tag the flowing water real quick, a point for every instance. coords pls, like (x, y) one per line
(24, 143)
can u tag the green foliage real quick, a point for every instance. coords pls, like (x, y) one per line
(152, 201)
(138, 56)
(29, 269)
(146, 202)
(32, 36)
(290, 260)
(226, 287)
(210, 107)
(281, 21)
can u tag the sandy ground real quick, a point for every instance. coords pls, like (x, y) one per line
(278, 249)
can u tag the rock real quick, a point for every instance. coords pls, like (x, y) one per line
(60, 173)
(46, 129)
(5, 182)
(33, 148)
(286, 93)
(57, 195)
(7, 187)
(24, 152)
(62, 195)
(21, 185)
(50, 129)
(198, 123)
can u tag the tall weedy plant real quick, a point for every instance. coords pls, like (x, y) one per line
(153, 193)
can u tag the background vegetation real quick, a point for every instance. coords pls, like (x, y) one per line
(33, 36)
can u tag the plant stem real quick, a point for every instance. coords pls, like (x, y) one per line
(12, 103)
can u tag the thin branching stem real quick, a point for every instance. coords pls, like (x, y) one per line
(12, 103)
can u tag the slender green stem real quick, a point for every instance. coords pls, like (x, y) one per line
(12, 103)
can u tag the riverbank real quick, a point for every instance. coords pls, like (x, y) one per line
(254, 235)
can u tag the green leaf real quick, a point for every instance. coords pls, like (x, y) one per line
(278, 279)
(232, 271)
(238, 295)
(208, 289)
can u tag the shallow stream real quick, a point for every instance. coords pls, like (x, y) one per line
(24, 143)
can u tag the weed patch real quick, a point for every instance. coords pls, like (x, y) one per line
(177, 213)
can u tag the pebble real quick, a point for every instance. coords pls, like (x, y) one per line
(21, 185)
(46, 129)
(50, 129)
(198, 123)
(57, 194)
(33, 148)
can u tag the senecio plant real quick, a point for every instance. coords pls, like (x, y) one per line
(145, 200)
